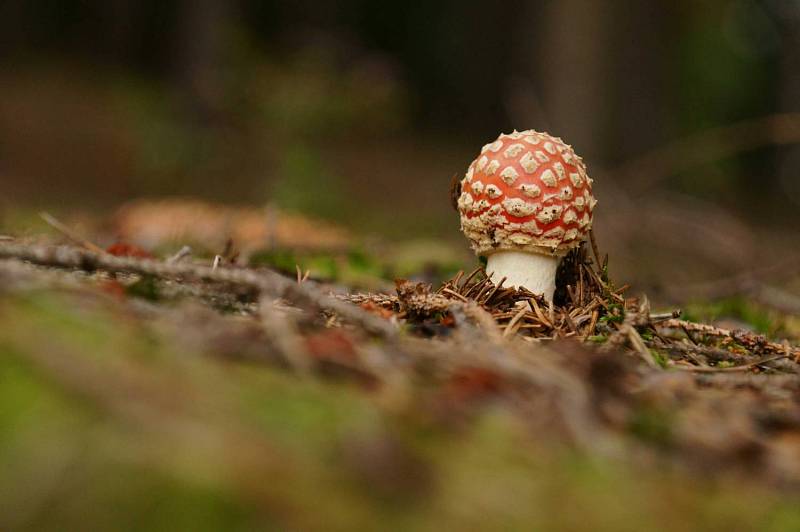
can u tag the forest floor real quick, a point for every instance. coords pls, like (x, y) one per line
(159, 388)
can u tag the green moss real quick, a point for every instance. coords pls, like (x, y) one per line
(661, 359)
(354, 267)
(279, 259)
(146, 288)
(737, 308)
(612, 318)
(652, 426)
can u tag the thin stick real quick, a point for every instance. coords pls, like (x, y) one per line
(264, 280)
(595, 251)
(470, 277)
(750, 340)
(593, 323)
(655, 318)
(510, 328)
(62, 228)
(539, 313)
(182, 253)
(639, 346)
(454, 294)
(743, 367)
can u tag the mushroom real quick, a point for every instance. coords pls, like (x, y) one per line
(525, 201)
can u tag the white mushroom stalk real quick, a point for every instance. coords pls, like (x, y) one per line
(525, 202)
(532, 271)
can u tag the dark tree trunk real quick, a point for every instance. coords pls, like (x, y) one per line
(200, 54)
(789, 97)
(640, 79)
(575, 67)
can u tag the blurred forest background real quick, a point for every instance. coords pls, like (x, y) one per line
(362, 112)
(168, 402)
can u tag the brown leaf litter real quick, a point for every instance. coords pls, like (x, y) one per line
(154, 223)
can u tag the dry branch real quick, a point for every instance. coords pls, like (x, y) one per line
(753, 342)
(265, 281)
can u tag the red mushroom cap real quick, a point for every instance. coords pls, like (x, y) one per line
(526, 191)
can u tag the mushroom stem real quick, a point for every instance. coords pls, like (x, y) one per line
(533, 271)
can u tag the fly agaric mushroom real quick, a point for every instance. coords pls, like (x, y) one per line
(524, 203)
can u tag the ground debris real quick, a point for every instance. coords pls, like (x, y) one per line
(596, 369)
(591, 310)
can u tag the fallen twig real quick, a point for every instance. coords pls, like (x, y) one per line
(182, 253)
(743, 367)
(755, 342)
(62, 228)
(262, 280)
